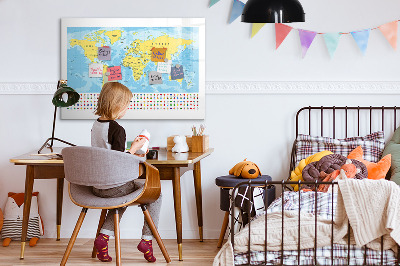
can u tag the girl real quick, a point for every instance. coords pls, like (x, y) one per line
(113, 103)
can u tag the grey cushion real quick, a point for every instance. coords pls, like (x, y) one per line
(393, 148)
(99, 167)
(83, 195)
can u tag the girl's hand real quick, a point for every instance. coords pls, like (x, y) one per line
(137, 144)
(143, 155)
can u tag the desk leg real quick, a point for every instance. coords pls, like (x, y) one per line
(60, 190)
(199, 204)
(176, 182)
(27, 206)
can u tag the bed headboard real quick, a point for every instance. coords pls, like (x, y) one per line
(344, 121)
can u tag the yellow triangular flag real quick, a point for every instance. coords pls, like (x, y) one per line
(255, 28)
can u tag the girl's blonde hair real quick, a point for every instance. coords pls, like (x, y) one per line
(113, 98)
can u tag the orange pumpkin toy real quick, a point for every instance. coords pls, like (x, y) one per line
(245, 169)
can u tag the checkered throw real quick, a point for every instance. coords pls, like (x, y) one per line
(324, 205)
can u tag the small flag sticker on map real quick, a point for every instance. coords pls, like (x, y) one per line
(115, 73)
(95, 70)
(158, 54)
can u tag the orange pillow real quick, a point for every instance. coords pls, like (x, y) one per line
(375, 170)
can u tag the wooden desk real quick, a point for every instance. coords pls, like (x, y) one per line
(171, 167)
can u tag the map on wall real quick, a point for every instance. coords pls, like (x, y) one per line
(160, 60)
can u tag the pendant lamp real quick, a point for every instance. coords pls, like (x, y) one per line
(272, 11)
(63, 97)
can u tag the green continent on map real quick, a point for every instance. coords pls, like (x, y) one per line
(138, 56)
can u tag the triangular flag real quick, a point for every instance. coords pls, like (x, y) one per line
(281, 31)
(255, 28)
(332, 41)
(306, 39)
(237, 9)
(213, 2)
(390, 32)
(361, 37)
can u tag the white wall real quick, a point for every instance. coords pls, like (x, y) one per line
(258, 127)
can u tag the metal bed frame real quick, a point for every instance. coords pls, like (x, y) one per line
(284, 184)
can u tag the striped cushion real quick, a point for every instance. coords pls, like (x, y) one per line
(372, 145)
(13, 228)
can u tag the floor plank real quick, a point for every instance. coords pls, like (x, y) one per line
(50, 252)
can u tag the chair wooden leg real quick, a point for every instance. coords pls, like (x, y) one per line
(73, 237)
(154, 230)
(117, 239)
(223, 229)
(101, 222)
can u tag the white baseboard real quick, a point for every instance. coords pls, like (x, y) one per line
(247, 87)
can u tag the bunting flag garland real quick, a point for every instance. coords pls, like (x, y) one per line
(237, 9)
(281, 31)
(361, 38)
(332, 41)
(256, 27)
(213, 2)
(306, 39)
(389, 30)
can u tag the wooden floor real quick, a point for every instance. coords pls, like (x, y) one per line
(50, 252)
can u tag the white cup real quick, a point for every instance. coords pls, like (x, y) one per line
(144, 134)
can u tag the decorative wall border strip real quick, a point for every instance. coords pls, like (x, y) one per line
(251, 87)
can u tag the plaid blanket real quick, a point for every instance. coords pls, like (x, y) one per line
(323, 205)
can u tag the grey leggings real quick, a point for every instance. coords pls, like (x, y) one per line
(154, 208)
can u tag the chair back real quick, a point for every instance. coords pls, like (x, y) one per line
(92, 166)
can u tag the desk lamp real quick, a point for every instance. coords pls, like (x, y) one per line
(63, 97)
(273, 11)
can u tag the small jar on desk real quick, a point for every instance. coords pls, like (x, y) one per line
(226, 183)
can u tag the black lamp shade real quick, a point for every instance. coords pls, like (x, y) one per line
(73, 96)
(273, 11)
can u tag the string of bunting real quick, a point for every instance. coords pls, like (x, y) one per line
(361, 37)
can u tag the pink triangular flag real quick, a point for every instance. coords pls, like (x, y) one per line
(389, 30)
(306, 39)
(281, 31)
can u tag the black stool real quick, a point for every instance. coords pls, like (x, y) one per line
(226, 183)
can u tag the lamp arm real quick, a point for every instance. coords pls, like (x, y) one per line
(54, 127)
(46, 143)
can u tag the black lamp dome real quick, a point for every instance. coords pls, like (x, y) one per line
(273, 11)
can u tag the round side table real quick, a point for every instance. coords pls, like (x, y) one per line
(226, 183)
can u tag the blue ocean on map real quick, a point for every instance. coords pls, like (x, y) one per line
(134, 60)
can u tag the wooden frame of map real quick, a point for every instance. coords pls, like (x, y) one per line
(161, 60)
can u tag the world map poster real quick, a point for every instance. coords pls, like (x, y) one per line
(160, 60)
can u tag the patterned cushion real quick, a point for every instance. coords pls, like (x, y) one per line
(372, 144)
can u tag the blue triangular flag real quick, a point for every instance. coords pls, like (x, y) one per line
(237, 9)
(361, 38)
(332, 41)
(213, 2)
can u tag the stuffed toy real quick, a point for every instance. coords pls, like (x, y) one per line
(375, 170)
(296, 174)
(180, 144)
(328, 164)
(245, 169)
(13, 215)
(348, 170)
